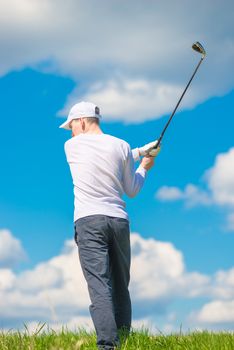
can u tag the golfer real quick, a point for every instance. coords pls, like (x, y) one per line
(102, 169)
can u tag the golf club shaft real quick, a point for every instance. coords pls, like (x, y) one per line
(166, 126)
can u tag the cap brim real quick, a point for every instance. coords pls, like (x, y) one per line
(65, 125)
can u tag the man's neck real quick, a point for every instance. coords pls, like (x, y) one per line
(93, 129)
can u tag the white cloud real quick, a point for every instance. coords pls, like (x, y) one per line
(147, 46)
(157, 261)
(192, 195)
(167, 193)
(215, 312)
(55, 291)
(11, 250)
(220, 178)
(131, 100)
(219, 191)
(224, 284)
(219, 182)
(7, 279)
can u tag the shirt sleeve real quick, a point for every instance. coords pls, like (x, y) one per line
(132, 180)
(136, 154)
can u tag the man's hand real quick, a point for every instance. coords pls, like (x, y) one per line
(149, 150)
(147, 162)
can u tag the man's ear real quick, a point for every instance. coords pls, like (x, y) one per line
(83, 124)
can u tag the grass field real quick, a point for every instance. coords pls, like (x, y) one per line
(137, 340)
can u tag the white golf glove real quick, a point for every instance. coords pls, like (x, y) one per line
(149, 150)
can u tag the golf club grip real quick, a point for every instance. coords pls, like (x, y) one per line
(169, 120)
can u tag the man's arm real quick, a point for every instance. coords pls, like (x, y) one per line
(134, 180)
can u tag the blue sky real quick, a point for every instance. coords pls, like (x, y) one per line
(182, 222)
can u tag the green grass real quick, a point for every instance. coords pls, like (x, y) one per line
(137, 340)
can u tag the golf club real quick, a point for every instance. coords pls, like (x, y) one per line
(199, 48)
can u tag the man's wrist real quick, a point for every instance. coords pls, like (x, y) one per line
(142, 170)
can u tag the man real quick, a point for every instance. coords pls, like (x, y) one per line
(102, 169)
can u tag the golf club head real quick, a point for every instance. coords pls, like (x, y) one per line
(199, 48)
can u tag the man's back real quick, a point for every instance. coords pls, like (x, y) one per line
(102, 169)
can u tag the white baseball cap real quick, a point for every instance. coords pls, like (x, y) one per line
(81, 110)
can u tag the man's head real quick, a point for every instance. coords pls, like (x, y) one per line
(82, 117)
(84, 125)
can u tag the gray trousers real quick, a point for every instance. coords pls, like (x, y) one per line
(104, 252)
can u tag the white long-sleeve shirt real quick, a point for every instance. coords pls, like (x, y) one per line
(102, 169)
